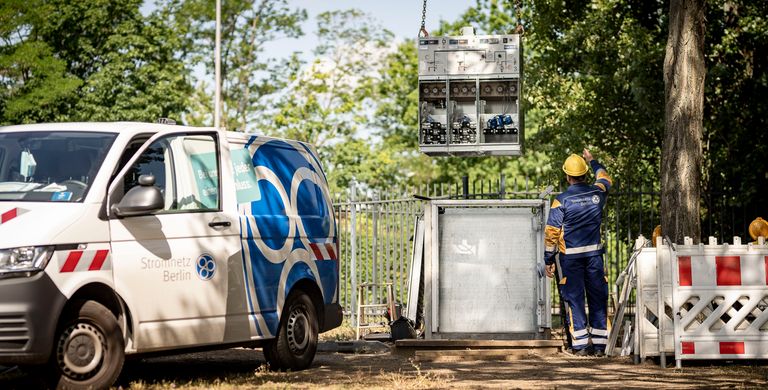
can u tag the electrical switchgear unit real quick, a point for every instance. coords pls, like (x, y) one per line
(470, 89)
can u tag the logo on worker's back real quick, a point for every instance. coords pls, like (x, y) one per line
(206, 266)
(595, 199)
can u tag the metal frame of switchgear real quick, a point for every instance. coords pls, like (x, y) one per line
(479, 77)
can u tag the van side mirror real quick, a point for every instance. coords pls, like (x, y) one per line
(143, 199)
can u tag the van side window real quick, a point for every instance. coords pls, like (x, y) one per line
(186, 171)
(151, 162)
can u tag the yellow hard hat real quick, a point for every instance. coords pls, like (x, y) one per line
(656, 233)
(575, 166)
(758, 227)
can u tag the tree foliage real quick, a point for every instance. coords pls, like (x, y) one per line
(593, 77)
(735, 108)
(35, 84)
(99, 60)
(89, 61)
(593, 73)
(247, 74)
(329, 102)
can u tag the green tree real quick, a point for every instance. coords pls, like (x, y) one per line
(35, 83)
(594, 73)
(684, 73)
(329, 101)
(594, 76)
(141, 74)
(247, 74)
(95, 60)
(735, 110)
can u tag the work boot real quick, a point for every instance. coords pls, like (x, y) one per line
(599, 353)
(580, 352)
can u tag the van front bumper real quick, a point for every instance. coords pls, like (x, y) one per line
(29, 309)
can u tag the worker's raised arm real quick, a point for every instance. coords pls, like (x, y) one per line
(602, 179)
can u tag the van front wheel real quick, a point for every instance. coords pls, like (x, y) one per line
(89, 350)
(296, 342)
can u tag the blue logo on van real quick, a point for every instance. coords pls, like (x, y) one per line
(205, 266)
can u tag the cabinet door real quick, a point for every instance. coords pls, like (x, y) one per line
(171, 267)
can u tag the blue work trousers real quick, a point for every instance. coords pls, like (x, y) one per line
(580, 275)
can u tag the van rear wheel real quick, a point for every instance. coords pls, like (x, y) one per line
(89, 350)
(296, 342)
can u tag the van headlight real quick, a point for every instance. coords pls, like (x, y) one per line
(24, 261)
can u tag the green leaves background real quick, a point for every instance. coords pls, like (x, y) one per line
(593, 78)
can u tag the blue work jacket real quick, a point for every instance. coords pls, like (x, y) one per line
(573, 226)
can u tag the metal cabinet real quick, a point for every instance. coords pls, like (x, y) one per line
(484, 269)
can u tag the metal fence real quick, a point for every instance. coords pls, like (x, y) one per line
(375, 243)
(376, 228)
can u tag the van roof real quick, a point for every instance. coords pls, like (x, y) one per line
(110, 127)
(125, 128)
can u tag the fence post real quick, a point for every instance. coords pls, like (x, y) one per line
(465, 186)
(353, 246)
(374, 260)
(502, 186)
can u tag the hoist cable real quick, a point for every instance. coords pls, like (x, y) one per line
(423, 29)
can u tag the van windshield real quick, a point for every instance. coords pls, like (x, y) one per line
(50, 166)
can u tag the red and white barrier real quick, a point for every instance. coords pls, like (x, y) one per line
(720, 300)
(649, 324)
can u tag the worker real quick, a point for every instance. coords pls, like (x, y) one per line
(573, 231)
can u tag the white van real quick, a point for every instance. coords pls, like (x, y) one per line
(126, 238)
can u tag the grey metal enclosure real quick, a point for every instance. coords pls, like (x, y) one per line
(484, 269)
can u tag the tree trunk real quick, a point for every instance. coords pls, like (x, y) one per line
(681, 155)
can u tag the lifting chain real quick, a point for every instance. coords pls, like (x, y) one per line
(423, 29)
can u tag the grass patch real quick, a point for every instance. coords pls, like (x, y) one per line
(345, 332)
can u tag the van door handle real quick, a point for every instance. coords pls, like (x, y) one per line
(220, 224)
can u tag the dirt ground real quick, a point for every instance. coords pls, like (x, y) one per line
(244, 368)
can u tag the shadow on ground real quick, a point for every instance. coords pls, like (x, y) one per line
(235, 368)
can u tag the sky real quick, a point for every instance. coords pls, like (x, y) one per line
(401, 17)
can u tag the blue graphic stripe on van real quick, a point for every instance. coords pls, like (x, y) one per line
(314, 157)
(266, 279)
(247, 281)
(272, 321)
(282, 159)
(266, 226)
(327, 271)
(250, 141)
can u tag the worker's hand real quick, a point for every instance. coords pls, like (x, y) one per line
(550, 270)
(587, 155)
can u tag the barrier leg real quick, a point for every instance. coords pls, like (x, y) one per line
(678, 363)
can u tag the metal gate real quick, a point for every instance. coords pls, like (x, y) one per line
(375, 245)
